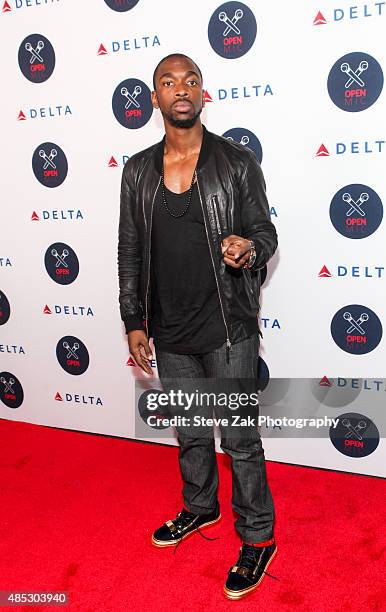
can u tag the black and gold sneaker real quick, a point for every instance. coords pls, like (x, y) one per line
(250, 569)
(185, 524)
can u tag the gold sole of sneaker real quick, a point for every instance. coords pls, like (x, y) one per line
(234, 595)
(161, 544)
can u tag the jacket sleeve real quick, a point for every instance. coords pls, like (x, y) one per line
(129, 256)
(255, 217)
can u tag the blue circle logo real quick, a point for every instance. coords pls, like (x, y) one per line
(49, 164)
(158, 414)
(355, 82)
(262, 374)
(36, 58)
(232, 30)
(5, 309)
(121, 5)
(11, 391)
(132, 105)
(356, 329)
(355, 435)
(356, 211)
(246, 138)
(72, 355)
(61, 263)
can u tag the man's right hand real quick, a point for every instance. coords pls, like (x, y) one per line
(140, 349)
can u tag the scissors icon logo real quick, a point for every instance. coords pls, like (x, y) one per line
(71, 350)
(231, 23)
(8, 385)
(356, 324)
(354, 75)
(48, 159)
(354, 430)
(355, 205)
(60, 258)
(35, 53)
(131, 97)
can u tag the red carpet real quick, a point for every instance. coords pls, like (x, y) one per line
(77, 512)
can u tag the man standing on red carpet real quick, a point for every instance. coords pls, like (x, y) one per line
(194, 232)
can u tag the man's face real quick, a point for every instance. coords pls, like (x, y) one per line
(179, 94)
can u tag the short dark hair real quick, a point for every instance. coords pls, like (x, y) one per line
(174, 55)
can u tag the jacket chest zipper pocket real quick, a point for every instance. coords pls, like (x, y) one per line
(214, 201)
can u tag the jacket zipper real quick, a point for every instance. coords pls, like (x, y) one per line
(229, 344)
(148, 267)
(214, 204)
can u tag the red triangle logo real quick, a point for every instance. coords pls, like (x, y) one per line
(6, 8)
(319, 19)
(47, 310)
(324, 382)
(324, 273)
(102, 50)
(58, 397)
(207, 96)
(35, 216)
(322, 151)
(112, 163)
(131, 362)
(21, 116)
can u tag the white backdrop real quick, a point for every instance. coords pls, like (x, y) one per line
(290, 57)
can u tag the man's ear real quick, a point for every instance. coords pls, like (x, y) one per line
(154, 99)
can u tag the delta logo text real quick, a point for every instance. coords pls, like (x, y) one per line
(342, 15)
(45, 112)
(36, 58)
(232, 30)
(356, 211)
(121, 6)
(11, 391)
(356, 147)
(348, 271)
(49, 164)
(129, 44)
(10, 5)
(61, 263)
(116, 161)
(242, 92)
(5, 309)
(131, 103)
(72, 311)
(247, 139)
(5, 262)
(72, 355)
(355, 435)
(12, 349)
(71, 214)
(356, 329)
(77, 398)
(361, 384)
(355, 82)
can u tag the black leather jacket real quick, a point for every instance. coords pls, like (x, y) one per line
(232, 194)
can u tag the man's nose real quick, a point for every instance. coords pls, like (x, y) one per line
(181, 90)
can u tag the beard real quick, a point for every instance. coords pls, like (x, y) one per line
(183, 123)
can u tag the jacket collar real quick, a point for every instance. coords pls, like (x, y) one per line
(206, 146)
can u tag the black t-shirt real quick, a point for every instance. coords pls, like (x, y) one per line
(186, 316)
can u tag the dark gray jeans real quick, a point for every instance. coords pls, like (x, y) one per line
(251, 496)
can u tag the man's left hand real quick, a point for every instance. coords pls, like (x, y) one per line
(236, 250)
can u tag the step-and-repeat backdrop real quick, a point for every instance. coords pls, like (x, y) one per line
(302, 85)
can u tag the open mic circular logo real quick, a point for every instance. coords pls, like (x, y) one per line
(72, 355)
(149, 407)
(355, 82)
(232, 30)
(5, 309)
(11, 391)
(132, 105)
(356, 329)
(356, 211)
(61, 263)
(355, 435)
(36, 58)
(247, 139)
(121, 5)
(49, 164)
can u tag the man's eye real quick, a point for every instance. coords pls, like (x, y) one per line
(192, 81)
(167, 83)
